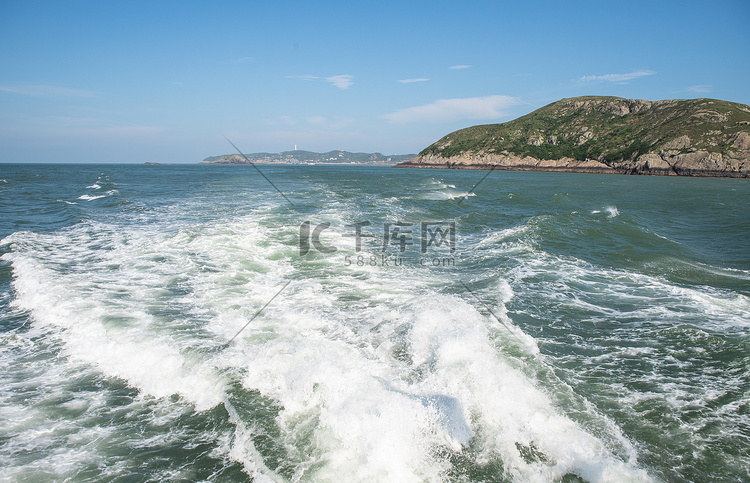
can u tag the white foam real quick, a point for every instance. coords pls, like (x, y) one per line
(242, 450)
(445, 194)
(372, 415)
(363, 428)
(611, 211)
(508, 408)
(496, 237)
(377, 379)
(129, 349)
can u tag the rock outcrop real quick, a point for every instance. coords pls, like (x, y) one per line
(698, 137)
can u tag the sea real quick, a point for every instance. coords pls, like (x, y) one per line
(278, 323)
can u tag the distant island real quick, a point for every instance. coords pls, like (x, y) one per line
(309, 157)
(592, 134)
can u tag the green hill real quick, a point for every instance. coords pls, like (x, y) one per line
(699, 137)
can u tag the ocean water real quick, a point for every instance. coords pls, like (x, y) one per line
(190, 323)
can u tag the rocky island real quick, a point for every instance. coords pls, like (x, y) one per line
(592, 134)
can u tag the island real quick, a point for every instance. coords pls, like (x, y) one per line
(308, 157)
(595, 134)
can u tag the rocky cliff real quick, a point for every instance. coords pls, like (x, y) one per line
(696, 137)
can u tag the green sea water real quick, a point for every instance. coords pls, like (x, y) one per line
(192, 323)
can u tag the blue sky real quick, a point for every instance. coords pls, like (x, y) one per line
(164, 81)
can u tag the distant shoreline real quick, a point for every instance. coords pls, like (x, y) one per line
(266, 163)
(300, 157)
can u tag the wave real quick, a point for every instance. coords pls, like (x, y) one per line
(611, 211)
(369, 379)
(434, 189)
(91, 198)
(446, 194)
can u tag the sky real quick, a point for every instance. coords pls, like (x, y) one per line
(167, 81)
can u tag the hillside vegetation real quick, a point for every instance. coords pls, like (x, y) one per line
(607, 134)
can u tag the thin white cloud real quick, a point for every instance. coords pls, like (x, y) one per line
(303, 77)
(459, 67)
(43, 90)
(242, 60)
(446, 110)
(702, 89)
(343, 81)
(409, 81)
(619, 78)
